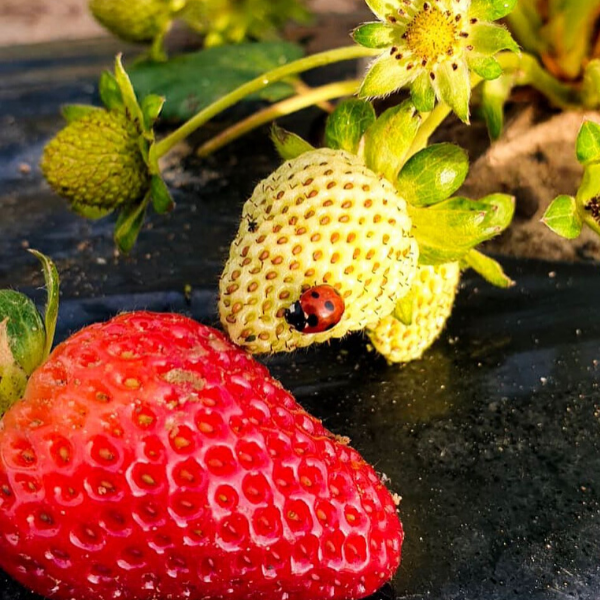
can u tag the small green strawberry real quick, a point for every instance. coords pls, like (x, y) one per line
(419, 317)
(136, 20)
(329, 243)
(96, 162)
(105, 158)
(322, 218)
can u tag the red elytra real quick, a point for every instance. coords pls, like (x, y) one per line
(318, 309)
(151, 459)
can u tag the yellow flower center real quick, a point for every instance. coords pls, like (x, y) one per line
(433, 34)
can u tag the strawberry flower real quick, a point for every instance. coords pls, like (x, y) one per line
(432, 46)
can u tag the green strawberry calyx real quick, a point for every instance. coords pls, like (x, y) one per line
(105, 159)
(447, 228)
(25, 339)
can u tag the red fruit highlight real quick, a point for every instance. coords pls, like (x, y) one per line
(151, 459)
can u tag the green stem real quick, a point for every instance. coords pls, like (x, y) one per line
(293, 68)
(528, 71)
(286, 107)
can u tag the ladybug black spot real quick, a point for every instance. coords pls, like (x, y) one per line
(329, 305)
(314, 295)
(312, 320)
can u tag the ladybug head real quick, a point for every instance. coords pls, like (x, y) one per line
(318, 309)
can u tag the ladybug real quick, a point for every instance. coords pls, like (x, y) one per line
(319, 309)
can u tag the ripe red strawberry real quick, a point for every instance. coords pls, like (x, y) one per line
(152, 459)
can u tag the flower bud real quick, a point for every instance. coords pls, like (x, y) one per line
(133, 20)
(95, 162)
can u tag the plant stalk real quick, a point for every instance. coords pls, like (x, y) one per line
(286, 107)
(259, 83)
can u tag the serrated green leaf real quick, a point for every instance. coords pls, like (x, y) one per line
(347, 124)
(494, 95)
(52, 281)
(446, 231)
(422, 94)
(110, 94)
(127, 92)
(74, 112)
(129, 224)
(404, 309)
(588, 143)
(487, 67)
(151, 108)
(488, 268)
(162, 200)
(288, 144)
(491, 10)
(375, 35)
(563, 218)
(389, 138)
(193, 81)
(489, 39)
(433, 174)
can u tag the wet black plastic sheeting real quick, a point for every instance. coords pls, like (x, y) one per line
(493, 440)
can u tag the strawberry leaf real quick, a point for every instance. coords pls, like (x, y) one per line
(388, 140)
(433, 174)
(151, 108)
(128, 93)
(488, 39)
(161, 197)
(288, 144)
(129, 224)
(193, 81)
(347, 124)
(488, 268)
(563, 218)
(588, 143)
(493, 98)
(110, 94)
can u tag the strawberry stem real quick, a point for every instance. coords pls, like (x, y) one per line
(257, 84)
(286, 107)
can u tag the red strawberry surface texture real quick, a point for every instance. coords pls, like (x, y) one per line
(151, 459)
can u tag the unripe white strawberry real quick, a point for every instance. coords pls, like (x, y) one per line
(433, 293)
(322, 218)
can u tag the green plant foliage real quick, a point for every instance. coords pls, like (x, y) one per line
(488, 268)
(288, 144)
(347, 125)
(588, 143)
(563, 218)
(491, 10)
(494, 95)
(433, 174)
(193, 81)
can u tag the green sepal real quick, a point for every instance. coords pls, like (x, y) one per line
(494, 95)
(288, 144)
(446, 231)
(127, 92)
(375, 35)
(162, 200)
(422, 94)
(433, 174)
(404, 309)
(453, 86)
(151, 108)
(129, 224)
(347, 124)
(488, 268)
(74, 112)
(110, 94)
(489, 39)
(590, 184)
(385, 76)
(491, 10)
(52, 281)
(563, 218)
(487, 67)
(93, 213)
(389, 138)
(588, 143)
